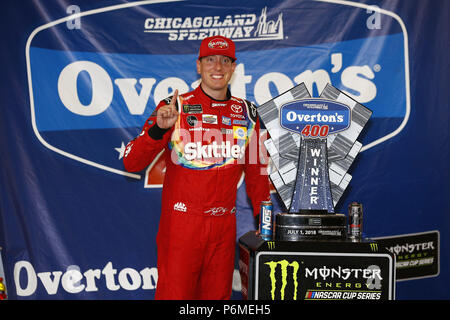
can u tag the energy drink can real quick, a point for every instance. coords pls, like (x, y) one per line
(266, 220)
(355, 221)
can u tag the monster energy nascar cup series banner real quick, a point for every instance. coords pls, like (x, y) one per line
(80, 78)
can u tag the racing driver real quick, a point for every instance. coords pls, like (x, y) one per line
(210, 139)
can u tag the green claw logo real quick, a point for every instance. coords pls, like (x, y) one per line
(374, 247)
(284, 271)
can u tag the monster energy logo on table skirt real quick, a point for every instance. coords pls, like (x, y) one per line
(324, 275)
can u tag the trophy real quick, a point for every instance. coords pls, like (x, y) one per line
(312, 145)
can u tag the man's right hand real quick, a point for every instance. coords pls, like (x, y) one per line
(167, 115)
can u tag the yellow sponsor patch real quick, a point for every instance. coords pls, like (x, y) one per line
(239, 132)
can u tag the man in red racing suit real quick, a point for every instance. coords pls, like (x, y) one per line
(210, 145)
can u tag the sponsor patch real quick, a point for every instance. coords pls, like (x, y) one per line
(240, 122)
(192, 108)
(240, 116)
(236, 108)
(226, 121)
(192, 121)
(209, 118)
(239, 132)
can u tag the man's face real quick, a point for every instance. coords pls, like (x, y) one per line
(215, 71)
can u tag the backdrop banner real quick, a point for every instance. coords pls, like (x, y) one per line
(80, 78)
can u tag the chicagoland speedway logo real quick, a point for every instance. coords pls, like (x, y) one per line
(239, 27)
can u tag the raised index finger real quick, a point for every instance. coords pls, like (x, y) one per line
(174, 99)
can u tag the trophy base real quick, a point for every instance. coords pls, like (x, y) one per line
(298, 227)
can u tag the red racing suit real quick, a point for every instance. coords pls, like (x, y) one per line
(206, 152)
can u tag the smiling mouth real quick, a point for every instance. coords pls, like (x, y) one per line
(215, 76)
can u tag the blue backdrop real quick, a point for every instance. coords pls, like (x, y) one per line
(79, 80)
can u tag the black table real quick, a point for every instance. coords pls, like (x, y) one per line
(326, 270)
